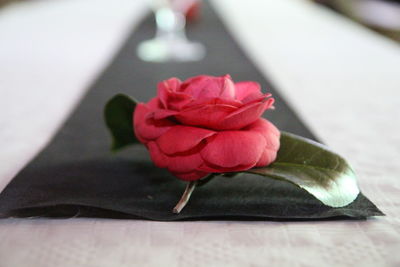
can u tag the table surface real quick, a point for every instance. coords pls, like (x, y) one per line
(343, 80)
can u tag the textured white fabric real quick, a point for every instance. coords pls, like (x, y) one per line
(343, 80)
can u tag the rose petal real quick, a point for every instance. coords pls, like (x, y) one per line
(169, 95)
(204, 86)
(233, 148)
(255, 97)
(159, 159)
(207, 167)
(164, 113)
(247, 88)
(180, 139)
(228, 89)
(268, 130)
(175, 164)
(170, 85)
(139, 114)
(193, 86)
(245, 115)
(208, 116)
(213, 101)
(176, 101)
(191, 176)
(181, 164)
(146, 127)
(267, 157)
(272, 140)
(154, 103)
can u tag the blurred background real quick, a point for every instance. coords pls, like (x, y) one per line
(382, 16)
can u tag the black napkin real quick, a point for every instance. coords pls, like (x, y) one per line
(77, 176)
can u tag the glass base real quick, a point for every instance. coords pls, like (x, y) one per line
(164, 50)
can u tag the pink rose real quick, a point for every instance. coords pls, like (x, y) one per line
(207, 125)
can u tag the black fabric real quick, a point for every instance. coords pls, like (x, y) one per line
(76, 175)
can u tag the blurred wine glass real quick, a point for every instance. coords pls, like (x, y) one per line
(170, 42)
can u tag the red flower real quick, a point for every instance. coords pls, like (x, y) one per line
(207, 125)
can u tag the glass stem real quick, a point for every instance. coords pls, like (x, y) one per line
(170, 24)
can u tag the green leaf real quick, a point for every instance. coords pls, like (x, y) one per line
(316, 169)
(118, 115)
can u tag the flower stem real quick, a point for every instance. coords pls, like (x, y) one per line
(185, 197)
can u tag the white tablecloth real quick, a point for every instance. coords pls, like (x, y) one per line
(341, 78)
